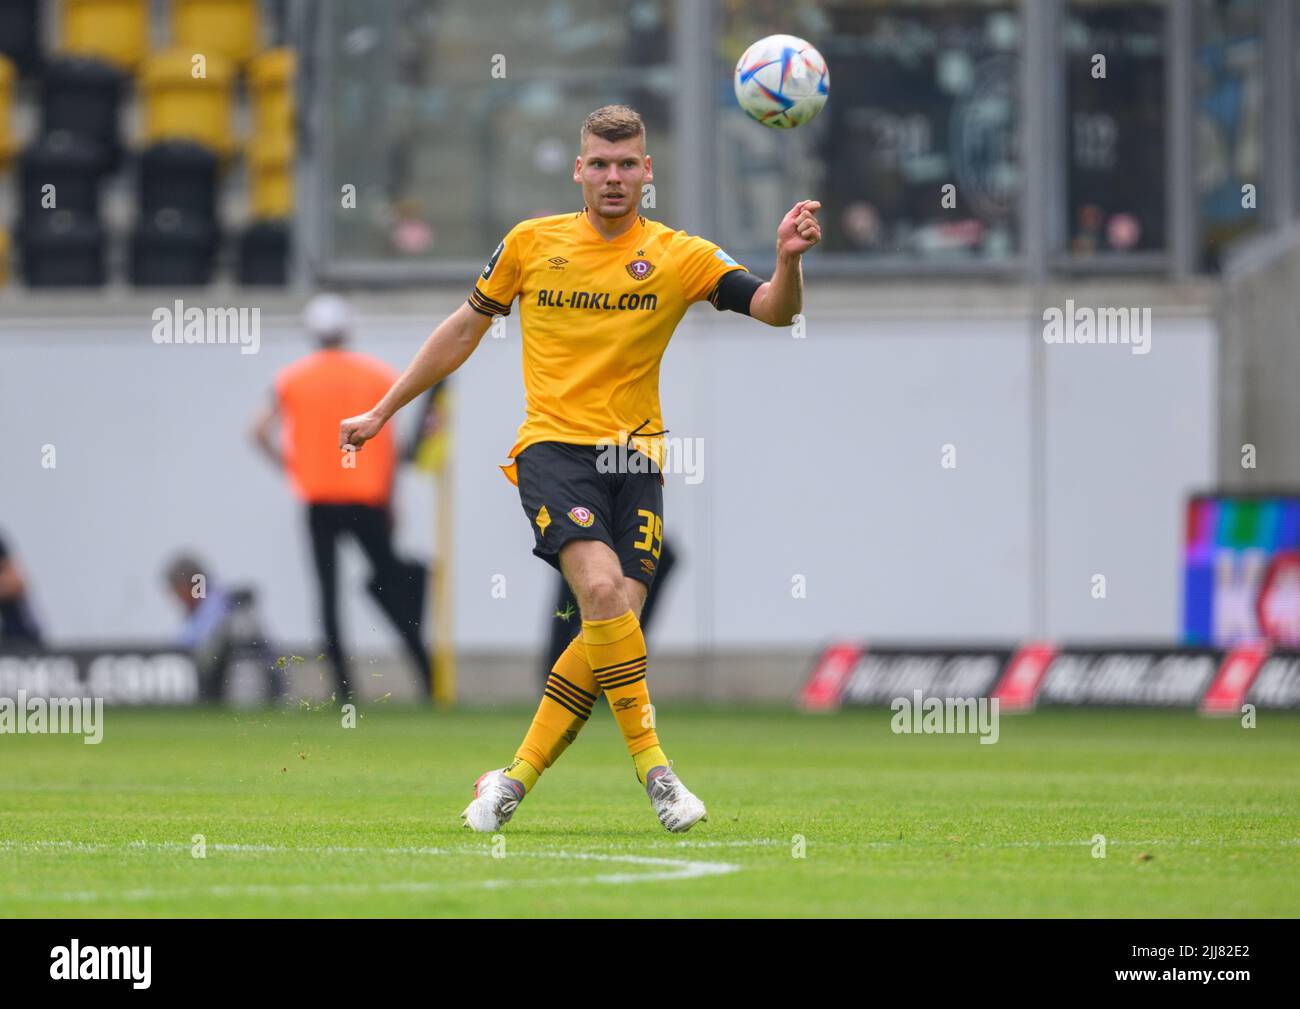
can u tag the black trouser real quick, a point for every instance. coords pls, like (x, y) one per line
(565, 629)
(369, 525)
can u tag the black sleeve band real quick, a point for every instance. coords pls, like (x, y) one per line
(734, 291)
(484, 305)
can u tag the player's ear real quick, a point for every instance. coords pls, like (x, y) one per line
(649, 170)
(577, 169)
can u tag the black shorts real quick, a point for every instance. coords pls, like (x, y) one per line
(566, 497)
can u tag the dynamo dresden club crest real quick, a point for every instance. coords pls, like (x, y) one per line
(640, 268)
(582, 516)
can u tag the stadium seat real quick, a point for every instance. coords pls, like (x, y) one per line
(264, 254)
(169, 249)
(72, 164)
(229, 28)
(270, 86)
(7, 78)
(63, 249)
(81, 95)
(180, 106)
(20, 34)
(271, 173)
(116, 31)
(178, 175)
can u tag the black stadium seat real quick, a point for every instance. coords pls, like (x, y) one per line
(20, 34)
(82, 95)
(171, 249)
(264, 254)
(178, 175)
(72, 164)
(63, 249)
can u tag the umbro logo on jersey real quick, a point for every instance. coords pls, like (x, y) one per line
(640, 268)
(557, 262)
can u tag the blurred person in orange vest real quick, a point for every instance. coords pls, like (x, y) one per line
(344, 491)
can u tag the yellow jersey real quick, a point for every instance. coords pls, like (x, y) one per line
(596, 317)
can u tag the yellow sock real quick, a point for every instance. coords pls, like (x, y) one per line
(616, 651)
(523, 772)
(648, 758)
(566, 704)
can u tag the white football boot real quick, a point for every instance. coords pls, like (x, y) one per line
(678, 808)
(495, 800)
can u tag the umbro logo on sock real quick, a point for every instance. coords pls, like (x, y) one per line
(623, 703)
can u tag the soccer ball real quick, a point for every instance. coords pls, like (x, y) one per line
(782, 81)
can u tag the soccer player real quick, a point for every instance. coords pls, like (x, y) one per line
(600, 293)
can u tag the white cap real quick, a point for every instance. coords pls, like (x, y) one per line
(327, 315)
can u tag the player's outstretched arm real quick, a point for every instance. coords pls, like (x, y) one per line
(779, 300)
(446, 349)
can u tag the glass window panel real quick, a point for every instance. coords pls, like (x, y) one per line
(1229, 133)
(1115, 131)
(921, 95)
(452, 130)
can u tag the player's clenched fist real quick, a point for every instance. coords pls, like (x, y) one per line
(358, 430)
(800, 230)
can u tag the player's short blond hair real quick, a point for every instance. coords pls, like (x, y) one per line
(612, 123)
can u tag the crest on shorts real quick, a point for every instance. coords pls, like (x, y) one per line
(640, 268)
(543, 519)
(581, 516)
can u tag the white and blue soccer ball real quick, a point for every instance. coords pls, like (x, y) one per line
(782, 81)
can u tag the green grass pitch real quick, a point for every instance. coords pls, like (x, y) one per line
(301, 817)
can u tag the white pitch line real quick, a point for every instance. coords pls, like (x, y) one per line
(669, 870)
(90, 846)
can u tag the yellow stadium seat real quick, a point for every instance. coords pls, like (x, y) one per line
(116, 31)
(230, 28)
(270, 85)
(181, 104)
(7, 78)
(270, 174)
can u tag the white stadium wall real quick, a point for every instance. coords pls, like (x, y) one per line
(822, 459)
